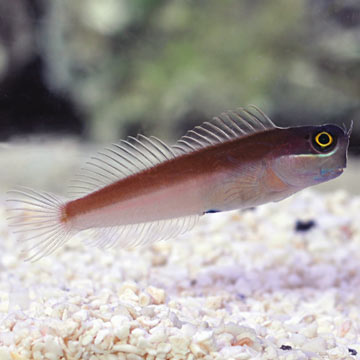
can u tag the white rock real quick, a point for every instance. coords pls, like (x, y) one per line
(134, 357)
(144, 299)
(179, 344)
(122, 332)
(188, 329)
(120, 320)
(5, 353)
(101, 336)
(81, 316)
(198, 351)
(129, 295)
(158, 295)
(203, 336)
(163, 348)
(53, 346)
(158, 334)
(316, 345)
(7, 338)
(127, 348)
(297, 340)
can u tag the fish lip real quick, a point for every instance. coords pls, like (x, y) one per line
(330, 174)
(337, 171)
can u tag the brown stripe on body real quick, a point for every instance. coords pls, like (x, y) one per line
(185, 167)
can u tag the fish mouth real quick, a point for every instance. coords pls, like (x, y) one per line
(331, 173)
(337, 172)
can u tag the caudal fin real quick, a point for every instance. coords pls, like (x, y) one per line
(38, 222)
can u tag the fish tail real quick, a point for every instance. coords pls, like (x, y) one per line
(39, 221)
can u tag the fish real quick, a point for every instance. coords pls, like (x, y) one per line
(141, 190)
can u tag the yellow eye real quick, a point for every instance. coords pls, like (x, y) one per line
(324, 139)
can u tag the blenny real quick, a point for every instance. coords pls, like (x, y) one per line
(141, 190)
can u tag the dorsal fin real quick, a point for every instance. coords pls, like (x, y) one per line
(133, 155)
(119, 161)
(229, 125)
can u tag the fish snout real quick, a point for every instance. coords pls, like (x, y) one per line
(333, 167)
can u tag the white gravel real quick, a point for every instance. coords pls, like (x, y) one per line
(241, 285)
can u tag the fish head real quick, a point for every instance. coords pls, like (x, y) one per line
(310, 155)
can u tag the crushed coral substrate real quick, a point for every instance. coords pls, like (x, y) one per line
(281, 281)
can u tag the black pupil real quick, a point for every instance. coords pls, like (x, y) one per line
(324, 139)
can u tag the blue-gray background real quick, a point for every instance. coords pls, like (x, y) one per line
(106, 69)
(75, 75)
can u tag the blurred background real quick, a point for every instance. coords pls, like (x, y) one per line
(78, 74)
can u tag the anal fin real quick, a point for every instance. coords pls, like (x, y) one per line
(129, 236)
